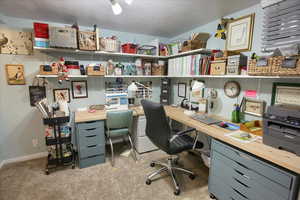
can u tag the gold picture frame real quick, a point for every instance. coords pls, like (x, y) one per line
(240, 34)
(15, 74)
(253, 107)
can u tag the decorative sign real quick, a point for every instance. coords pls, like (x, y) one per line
(15, 74)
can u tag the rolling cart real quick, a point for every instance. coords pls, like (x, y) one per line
(63, 149)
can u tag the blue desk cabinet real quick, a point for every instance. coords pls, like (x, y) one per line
(90, 142)
(237, 175)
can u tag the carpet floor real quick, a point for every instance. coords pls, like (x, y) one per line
(125, 181)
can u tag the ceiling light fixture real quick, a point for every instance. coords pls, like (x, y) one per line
(129, 2)
(116, 8)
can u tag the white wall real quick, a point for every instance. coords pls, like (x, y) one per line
(19, 122)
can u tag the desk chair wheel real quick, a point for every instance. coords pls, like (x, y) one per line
(152, 164)
(148, 182)
(177, 192)
(47, 172)
(192, 176)
(212, 196)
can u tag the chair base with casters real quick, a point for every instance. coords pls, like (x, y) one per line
(170, 167)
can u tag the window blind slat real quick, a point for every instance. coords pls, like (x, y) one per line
(281, 25)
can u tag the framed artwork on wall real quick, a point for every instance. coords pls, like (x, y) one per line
(15, 74)
(240, 34)
(286, 93)
(62, 95)
(15, 42)
(79, 89)
(253, 107)
(182, 90)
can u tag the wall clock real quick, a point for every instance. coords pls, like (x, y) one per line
(232, 89)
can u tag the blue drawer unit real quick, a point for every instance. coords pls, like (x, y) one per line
(237, 175)
(90, 141)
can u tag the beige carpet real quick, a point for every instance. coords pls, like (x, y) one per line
(125, 181)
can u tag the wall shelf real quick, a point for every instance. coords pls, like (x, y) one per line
(191, 76)
(103, 53)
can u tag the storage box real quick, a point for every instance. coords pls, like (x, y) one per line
(87, 40)
(129, 48)
(63, 37)
(190, 45)
(97, 70)
(41, 30)
(49, 69)
(225, 55)
(234, 64)
(110, 45)
(158, 70)
(218, 67)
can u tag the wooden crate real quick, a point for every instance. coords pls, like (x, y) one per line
(48, 69)
(218, 67)
(95, 70)
(280, 66)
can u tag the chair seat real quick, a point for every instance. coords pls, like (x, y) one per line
(180, 144)
(118, 132)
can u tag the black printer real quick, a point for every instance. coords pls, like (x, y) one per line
(282, 127)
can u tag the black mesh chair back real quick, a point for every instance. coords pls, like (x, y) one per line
(157, 127)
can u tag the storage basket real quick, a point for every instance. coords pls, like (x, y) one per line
(98, 70)
(190, 45)
(284, 66)
(256, 69)
(63, 37)
(158, 70)
(110, 45)
(48, 69)
(129, 48)
(87, 40)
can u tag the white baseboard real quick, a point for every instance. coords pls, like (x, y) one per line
(23, 158)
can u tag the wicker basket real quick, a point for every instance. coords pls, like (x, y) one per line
(255, 70)
(279, 69)
(110, 45)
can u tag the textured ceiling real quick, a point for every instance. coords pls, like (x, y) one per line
(166, 18)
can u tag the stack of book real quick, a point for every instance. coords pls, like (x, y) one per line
(189, 65)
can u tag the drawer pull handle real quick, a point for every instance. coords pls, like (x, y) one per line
(92, 156)
(89, 136)
(242, 165)
(240, 193)
(241, 183)
(91, 129)
(91, 146)
(90, 122)
(244, 156)
(242, 174)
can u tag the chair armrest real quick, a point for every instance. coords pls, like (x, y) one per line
(181, 133)
(185, 131)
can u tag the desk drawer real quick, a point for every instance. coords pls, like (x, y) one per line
(87, 138)
(91, 150)
(251, 163)
(92, 160)
(90, 125)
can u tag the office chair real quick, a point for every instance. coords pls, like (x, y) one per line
(159, 132)
(119, 123)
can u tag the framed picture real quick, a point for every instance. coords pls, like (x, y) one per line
(286, 93)
(15, 42)
(240, 34)
(15, 74)
(62, 95)
(79, 89)
(253, 107)
(182, 90)
(36, 93)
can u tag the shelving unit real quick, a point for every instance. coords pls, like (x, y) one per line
(103, 53)
(58, 141)
(191, 76)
